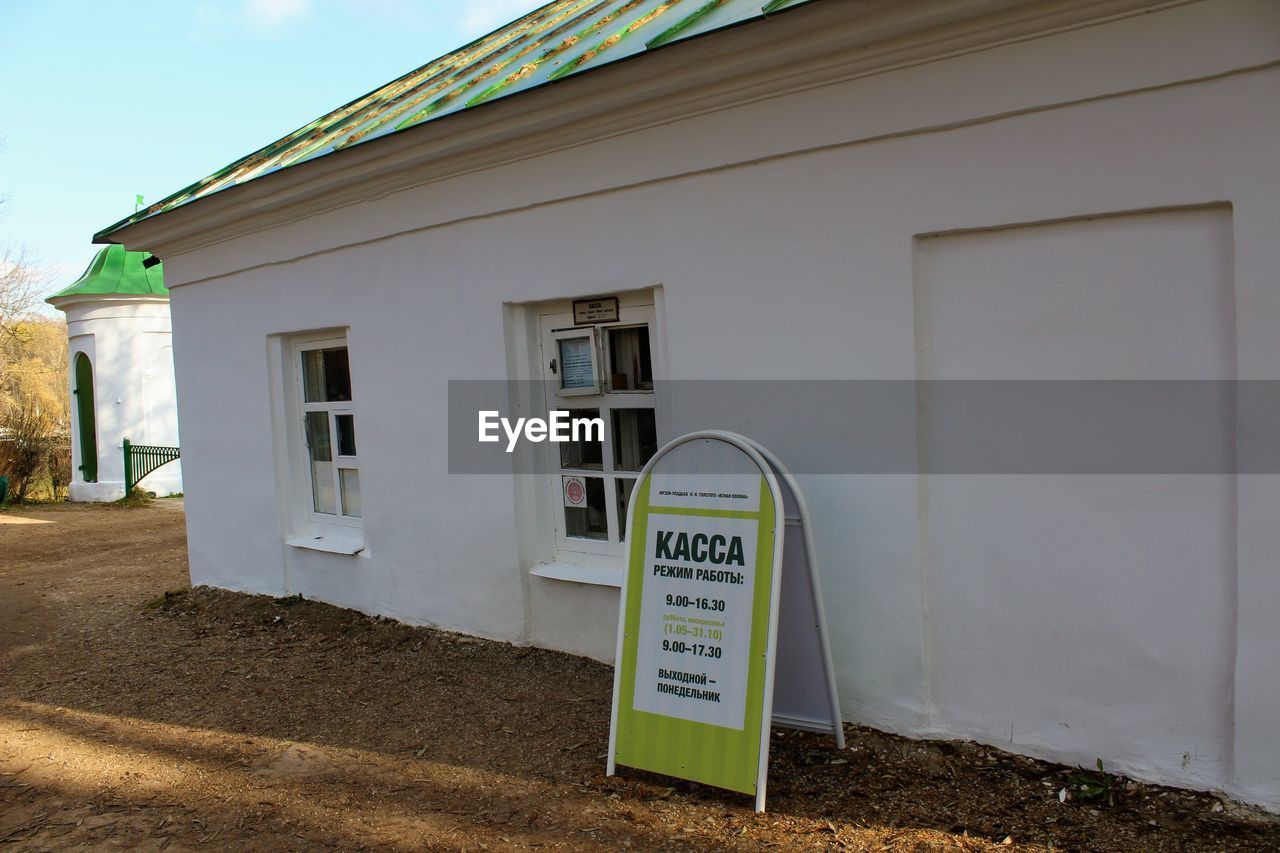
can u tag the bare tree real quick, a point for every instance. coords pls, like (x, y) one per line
(20, 280)
(35, 439)
(17, 286)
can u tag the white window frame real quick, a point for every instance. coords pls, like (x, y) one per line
(555, 324)
(309, 529)
(333, 409)
(593, 336)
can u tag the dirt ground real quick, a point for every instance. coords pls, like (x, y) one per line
(138, 714)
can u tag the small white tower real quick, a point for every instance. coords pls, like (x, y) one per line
(120, 346)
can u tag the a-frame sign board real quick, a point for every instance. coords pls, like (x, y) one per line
(721, 629)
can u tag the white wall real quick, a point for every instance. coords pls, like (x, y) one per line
(129, 344)
(1124, 618)
(1090, 575)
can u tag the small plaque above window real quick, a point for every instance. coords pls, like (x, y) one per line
(587, 312)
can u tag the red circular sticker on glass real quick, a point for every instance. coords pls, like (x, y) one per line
(575, 491)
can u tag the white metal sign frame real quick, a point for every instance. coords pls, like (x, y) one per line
(783, 486)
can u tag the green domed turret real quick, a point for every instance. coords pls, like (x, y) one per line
(116, 271)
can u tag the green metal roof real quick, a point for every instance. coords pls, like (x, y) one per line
(561, 39)
(115, 271)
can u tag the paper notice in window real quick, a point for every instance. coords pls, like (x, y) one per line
(576, 365)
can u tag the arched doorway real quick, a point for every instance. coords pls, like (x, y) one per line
(86, 420)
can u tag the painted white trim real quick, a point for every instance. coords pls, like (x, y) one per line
(97, 492)
(579, 573)
(332, 544)
(62, 303)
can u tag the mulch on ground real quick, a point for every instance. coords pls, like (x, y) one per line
(132, 717)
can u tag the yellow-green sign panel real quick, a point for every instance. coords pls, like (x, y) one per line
(694, 653)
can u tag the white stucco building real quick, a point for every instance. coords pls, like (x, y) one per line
(121, 369)
(921, 194)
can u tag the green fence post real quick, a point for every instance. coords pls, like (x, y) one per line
(128, 468)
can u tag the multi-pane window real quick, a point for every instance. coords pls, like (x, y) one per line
(329, 430)
(605, 372)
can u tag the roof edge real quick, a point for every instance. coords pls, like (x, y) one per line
(489, 135)
(143, 215)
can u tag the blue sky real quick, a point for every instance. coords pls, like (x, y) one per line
(102, 101)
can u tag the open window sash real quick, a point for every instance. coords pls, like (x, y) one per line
(575, 362)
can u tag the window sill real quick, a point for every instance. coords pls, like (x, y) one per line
(593, 575)
(349, 544)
